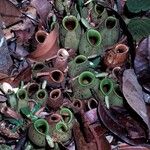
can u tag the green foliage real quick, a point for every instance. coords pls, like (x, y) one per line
(139, 28)
(136, 6)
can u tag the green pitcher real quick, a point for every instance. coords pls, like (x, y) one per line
(22, 97)
(70, 32)
(67, 117)
(81, 86)
(62, 133)
(110, 31)
(110, 93)
(78, 65)
(90, 43)
(98, 14)
(41, 96)
(38, 131)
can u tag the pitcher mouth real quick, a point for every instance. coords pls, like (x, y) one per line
(70, 23)
(55, 118)
(86, 78)
(63, 54)
(41, 126)
(106, 86)
(22, 94)
(93, 37)
(110, 22)
(92, 103)
(61, 127)
(80, 59)
(121, 48)
(55, 94)
(40, 36)
(57, 76)
(99, 9)
(33, 88)
(38, 67)
(77, 103)
(66, 115)
(41, 94)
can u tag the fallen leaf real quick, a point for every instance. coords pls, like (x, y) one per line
(129, 147)
(43, 8)
(142, 63)
(5, 59)
(133, 93)
(9, 13)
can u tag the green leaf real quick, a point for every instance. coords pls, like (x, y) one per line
(139, 28)
(85, 23)
(136, 6)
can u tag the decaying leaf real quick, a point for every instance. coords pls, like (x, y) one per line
(43, 8)
(123, 146)
(133, 93)
(9, 13)
(5, 59)
(142, 63)
(142, 59)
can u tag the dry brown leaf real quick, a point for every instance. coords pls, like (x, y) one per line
(5, 59)
(129, 147)
(134, 96)
(9, 13)
(142, 63)
(43, 8)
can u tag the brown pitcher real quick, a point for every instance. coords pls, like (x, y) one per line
(47, 45)
(61, 61)
(55, 99)
(117, 56)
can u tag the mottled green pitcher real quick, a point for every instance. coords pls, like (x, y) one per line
(67, 117)
(22, 97)
(78, 65)
(110, 31)
(90, 43)
(110, 93)
(98, 14)
(62, 133)
(81, 86)
(38, 131)
(70, 32)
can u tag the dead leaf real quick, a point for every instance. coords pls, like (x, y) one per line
(5, 59)
(9, 13)
(142, 63)
(133, 93)
(43, 8)
(129, 147)
(142, 59)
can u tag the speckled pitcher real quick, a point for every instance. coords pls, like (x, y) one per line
(70, 32)
(90, 43)
(78, 65)
(22, 97)
(98, 14)
(38, 131)
(81, 86)
(110, 31)
(110, 93)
